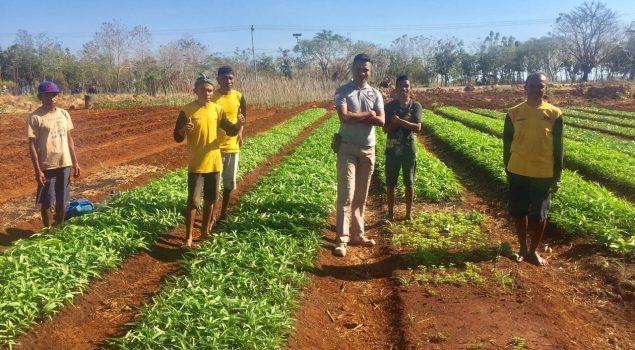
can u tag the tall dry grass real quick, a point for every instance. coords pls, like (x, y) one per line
(27, 103)
(266, 92)
(280, 92)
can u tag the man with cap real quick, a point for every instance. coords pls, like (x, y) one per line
(52, 152)
(200, 122)
(234, 104)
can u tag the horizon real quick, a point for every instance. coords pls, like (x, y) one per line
(470, 23)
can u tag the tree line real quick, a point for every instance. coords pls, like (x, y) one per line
(588, 43)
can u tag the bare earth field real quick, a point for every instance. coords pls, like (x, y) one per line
(351, 303)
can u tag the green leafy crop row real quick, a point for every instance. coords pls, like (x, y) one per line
(580, 207)
(627, 122)
(606, 166)
(37, 276)
(623, 131)
(445, 247)
(434, 181)
(242, 285)
(589, 137)
(606, 111)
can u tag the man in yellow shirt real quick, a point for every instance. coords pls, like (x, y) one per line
(533, 155)
(234, 104)
(199, 122)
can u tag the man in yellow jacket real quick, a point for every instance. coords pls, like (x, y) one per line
(200, 122)
(533, 156)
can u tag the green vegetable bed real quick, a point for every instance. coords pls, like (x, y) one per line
(38, 275)
(580, 207)
(242, 285)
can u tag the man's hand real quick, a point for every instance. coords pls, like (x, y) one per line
(40, 178)
(187, 127)
(76, 170)
(555, 187)
(240, 122)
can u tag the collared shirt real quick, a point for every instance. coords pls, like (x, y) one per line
(358, 99)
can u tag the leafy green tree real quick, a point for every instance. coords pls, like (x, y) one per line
(266, 64)
(618, 64)
(542, 54)
(630, 50)
(111, 43)
(24, 66)
(327, 50)
(285, 63)
(446, 57)
(468, 67)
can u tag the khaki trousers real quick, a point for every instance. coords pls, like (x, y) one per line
(354, 169)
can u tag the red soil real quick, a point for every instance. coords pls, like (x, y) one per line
(356, 302)
(108, 306)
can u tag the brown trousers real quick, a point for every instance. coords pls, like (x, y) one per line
(355, 166)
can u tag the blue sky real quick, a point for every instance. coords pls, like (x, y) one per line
(224, 25)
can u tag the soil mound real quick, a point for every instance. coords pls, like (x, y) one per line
(614, 91)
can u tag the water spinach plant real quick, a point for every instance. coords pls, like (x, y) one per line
(39, 275)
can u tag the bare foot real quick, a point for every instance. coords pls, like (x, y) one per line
(536, 259)
(520, 256)
(188, 243)
(517, 257)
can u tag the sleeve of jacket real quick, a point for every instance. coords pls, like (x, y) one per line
(508, 137)
(243, 106)
(180, 122)
(558, 148)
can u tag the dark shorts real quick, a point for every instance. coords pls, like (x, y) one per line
(56, 188)
(395, 164)
(529, 196)
(205, 182)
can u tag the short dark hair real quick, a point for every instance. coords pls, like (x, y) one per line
(534, 75)
(225, 70)
(400, 79)
(361, 58)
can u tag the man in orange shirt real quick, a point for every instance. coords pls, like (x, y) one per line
(199, 122)
(533, 155)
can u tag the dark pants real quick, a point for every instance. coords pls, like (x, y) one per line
(207, 182)
(397, 163)
(56, 188)
(529, 196)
